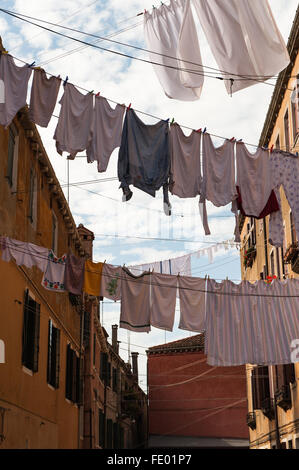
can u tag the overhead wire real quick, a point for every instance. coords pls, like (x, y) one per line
(25, 18)
(139, 279)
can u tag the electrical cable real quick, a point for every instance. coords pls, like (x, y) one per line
(150, 283)
(244, 77)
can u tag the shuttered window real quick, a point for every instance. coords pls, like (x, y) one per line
(73, 382)
(30, 337)
(53, 355)
(109, 434)
(260, 386)
(101, 429)
(103, 366)
(115, 379)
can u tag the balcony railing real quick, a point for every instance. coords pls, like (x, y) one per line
(283, 397)
(291, 253)
(249, 256)
(268, 408)
(251, 420)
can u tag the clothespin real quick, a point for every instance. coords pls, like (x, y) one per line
(172, 121)
(240, 140)
(232, 139)
(198, 130)
(271, 149)
(129, 106)
(3, 52)
(98, 93)
(166, 120)
(205, 129)
(66, 79)
(91, 92)
(231, 86)
(31, 65)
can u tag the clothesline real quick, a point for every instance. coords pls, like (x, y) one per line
(246, 77)
(145, 113)
(141, 281)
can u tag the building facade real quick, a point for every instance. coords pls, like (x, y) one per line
(192, 404)
(40, 377)
(273, 396)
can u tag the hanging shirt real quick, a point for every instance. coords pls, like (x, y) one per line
(255, 184)
(192, 303)
(24, 253)
(74, 124)
(135, 310)
(169, 30)
(44, 92)
(246, 324)
(15, 84)
(244, 39)
(185, 179)
(163, 300)
(111, 282)
(92, 278)
(105, 133)
(144, 158)
(53, 278)
(74, 274)
(285, 173)
(218, 184)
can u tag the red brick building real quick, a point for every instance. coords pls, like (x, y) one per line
(192, 404)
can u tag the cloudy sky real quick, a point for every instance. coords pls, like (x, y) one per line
(136, 232)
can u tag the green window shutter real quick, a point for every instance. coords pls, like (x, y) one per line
(57, 362)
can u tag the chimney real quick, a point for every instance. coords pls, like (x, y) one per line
(135, 365)
(114, 338)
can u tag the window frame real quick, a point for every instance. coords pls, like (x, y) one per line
(30, 332)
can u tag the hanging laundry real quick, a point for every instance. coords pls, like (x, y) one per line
(255, 184)
(111, 282)
(92, 278)
(53, 277)
(185, 173)
(74, 123)
(169, 30)
(135, 310)
(244, 40)
(181, 265)
(251, 323)
(44, 92)
(24, 253)
(163, 300)
(74, 274)
(285, 173)
(144, 158)
(218, 183)
(192, 303)
(15, 83)
(105, 132)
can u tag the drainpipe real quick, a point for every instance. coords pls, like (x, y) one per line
(81, 375)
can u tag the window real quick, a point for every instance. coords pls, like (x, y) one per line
(105, 369)
(290, 442)
(114, 379)
(260, 386)
(297, 443)
(53, 355)
(293, 230)
(73, 383)
(109, 434)
(54, 233)
(286, 131)
(30, 340)
(272, 263)
(12, 159)
(115, 435)
(101, 429)
(278, 251)
(294, 113)
(277, 143)
(32, 211)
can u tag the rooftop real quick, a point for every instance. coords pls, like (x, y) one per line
(191, 343)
